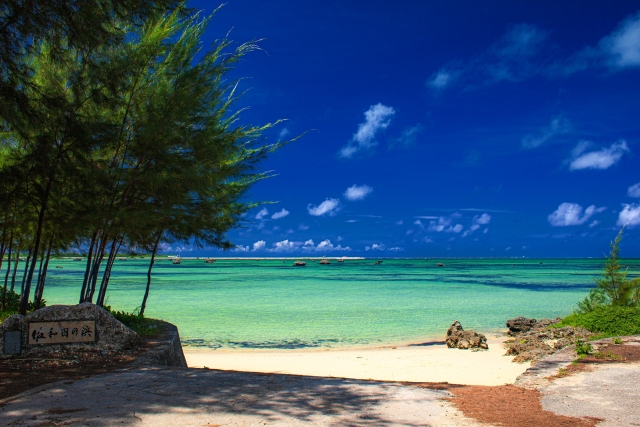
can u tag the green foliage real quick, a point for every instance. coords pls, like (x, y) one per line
(609, 320)
(613, 287)
(127, 134)
(141, 325)
(12, 304)
(583, 348)
(610, 355)
(617, 340)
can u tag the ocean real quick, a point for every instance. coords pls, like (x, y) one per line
(269, 304)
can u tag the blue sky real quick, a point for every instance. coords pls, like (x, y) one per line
(441, 128)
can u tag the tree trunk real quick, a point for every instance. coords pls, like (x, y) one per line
(15, 268)
(153, 259)
(3, 246)
(115, 247)
(93, 279)
(26, 271)
(83, 291)
(6, 276)
(43, 276)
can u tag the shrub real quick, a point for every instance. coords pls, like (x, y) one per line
(12, 304)
(609, 320)
(137, 322)
(583, 348)
(613, 287)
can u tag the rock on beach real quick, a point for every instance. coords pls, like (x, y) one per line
(457, 337)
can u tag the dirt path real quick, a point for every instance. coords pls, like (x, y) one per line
(198, 397)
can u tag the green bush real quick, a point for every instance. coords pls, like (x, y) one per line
(141, 325)
(12, 304)
(609, 320)
(583, 348)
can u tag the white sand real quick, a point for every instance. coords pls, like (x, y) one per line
(435, 363)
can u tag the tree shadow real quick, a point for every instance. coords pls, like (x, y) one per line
(126, 398)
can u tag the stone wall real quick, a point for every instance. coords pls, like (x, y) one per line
(163, 350)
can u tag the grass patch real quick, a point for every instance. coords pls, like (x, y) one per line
(606, 320)
(610, 355)
(143, 326)
(6, 313)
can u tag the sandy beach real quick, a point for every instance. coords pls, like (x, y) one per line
(416, 363)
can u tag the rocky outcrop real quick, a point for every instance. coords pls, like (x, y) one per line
(519, 325)
(534, 340)
(457, 337)
(110, 334)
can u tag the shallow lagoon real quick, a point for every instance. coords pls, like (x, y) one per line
(270, 304)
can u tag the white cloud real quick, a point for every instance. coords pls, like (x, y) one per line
(329, 206)
(259, 245)
(356, 192)
(408, 137)
(623, 45)
(483, 219)
(280, 214)
(241, 248)
(629, 215)
(377, 117)
(569, 214)
(263, 212)
(486, 230)
(303, 227)
(283, 133)
(439, 225)
(324, 246)
(283, 246)
(558, 126)
(513, 58)
(594, 223)
(351, 220)
(455, 229)
(634, 190)
(601, 159)
(375, 247)
(399, 222)
(441, 79)
(508, 248)
(396, 249)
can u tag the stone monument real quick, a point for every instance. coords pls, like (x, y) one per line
(65, 328)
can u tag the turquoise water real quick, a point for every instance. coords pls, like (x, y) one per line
(270, 304)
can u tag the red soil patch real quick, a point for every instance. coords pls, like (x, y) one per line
(510, 406)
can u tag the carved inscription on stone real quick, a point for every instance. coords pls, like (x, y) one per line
(64, 332)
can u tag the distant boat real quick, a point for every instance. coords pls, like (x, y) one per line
(80, 259)
(325, 261)
(209, 261)
(176, 260)
(299, 264)
(340, 260)
(440, 264)
(377, 263)
(59, 266)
